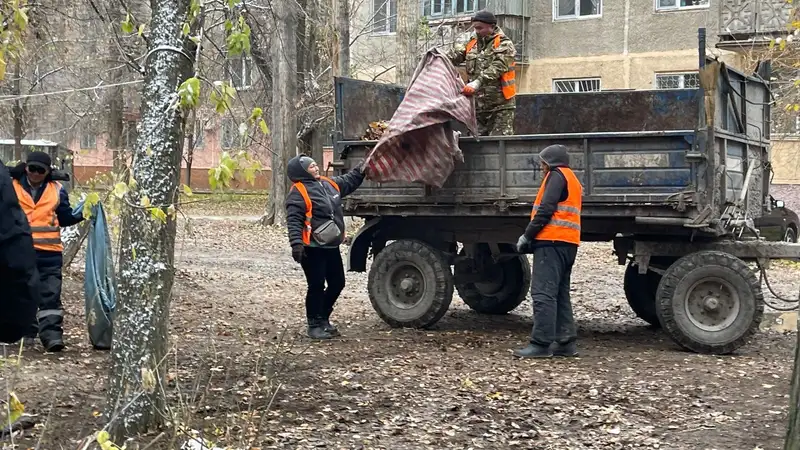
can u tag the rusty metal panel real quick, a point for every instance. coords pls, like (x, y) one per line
(591, 112)
(360, 102)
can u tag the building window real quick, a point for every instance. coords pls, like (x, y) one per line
(88, 140)
(685, 80)
(575, 9)
(241, 72)
(673, 5)
(384, 16)
(577, 85)
(230, 135)
(198, 134)
(131, 134)
(438, 8)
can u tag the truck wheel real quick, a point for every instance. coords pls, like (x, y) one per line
(710, 302)
(493, 288)
(640, 290)
(410, 284)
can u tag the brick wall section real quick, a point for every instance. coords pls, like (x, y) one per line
(199, 178)
(789, 193)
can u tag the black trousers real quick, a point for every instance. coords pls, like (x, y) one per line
(322, 266)
(51, 314)
(552, 309)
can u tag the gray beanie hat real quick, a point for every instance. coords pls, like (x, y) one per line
(485, 17)
(306, 161)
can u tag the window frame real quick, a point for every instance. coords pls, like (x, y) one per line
(682, 74)
(576, 16)
(246, 72)
(387, 5)
(578, 79)
(229, 125)
(678, 7)
(92, 137)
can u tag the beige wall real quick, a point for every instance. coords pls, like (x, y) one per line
(786, 161)
(616, 71)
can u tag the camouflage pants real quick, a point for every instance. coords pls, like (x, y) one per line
(496, 123)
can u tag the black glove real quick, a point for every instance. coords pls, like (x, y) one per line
(360, 166)
(298, 252)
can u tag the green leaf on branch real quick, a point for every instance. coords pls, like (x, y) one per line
(120, 189)
(145, 201)
(189, 92)
(127, 24)
(91, 199)
(186, 29)
(141, 30)
(187, 191)
(221, 96)
(158, 214)
(263, 125)
(21, 18)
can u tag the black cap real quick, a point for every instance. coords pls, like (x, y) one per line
(485, 17)
(40, 159)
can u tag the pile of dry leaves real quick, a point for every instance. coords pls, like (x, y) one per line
(375, 130)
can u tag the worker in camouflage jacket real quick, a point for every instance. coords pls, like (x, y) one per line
(489, 57)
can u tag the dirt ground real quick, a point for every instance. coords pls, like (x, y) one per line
(237, 329)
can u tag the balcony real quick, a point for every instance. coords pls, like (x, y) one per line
(752, 21)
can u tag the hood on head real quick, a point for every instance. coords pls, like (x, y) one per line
(555, 156)
(296, 172)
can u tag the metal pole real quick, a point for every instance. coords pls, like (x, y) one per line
(701, 46)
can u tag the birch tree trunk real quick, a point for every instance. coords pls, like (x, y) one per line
(146, 270)
(407, 32)
(284, 94)
(793, 434)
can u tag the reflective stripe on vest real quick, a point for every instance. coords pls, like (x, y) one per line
(565, 225)
(301, 188)
(508, 80)
(42, 217)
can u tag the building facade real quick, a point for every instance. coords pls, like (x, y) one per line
(592, 45)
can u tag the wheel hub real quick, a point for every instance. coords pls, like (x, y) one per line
(712, 304)
(406, 285)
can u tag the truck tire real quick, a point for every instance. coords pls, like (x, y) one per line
(640, 291)
(508, 287)
(410, 284)
(710, 302)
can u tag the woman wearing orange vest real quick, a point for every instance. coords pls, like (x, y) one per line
(315, 220)
(553, 236)
(46, 204)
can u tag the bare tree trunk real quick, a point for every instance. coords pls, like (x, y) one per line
(18, 112)
(793, 434)
(342, 52)
(407, 32)
(284, 94)
(146, 271)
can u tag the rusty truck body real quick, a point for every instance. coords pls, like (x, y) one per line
(673, 178)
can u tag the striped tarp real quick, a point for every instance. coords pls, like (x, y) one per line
(419, 145)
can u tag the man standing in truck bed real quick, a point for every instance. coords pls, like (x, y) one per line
(489, 59)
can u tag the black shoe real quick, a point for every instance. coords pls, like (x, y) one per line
(534, 351)
(330, 328)
(568, 350)
(53, 346)
(319, 333)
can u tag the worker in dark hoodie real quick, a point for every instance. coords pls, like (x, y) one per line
(553, 236)
(46, 204)
(18, 276)
(315, 221)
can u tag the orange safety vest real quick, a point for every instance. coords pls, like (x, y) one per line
(301, 188)
(508, 79)
(565, 225)
(42, 216)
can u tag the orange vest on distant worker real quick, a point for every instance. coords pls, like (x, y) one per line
(301, 188)
(565, 225)
(42, 217)
(508, 81)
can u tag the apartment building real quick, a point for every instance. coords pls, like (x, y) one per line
(591, 45)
